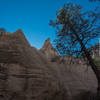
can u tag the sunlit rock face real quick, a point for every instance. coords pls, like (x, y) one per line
(25, 73)
(49, 50)
(30, 74)
(76, 76)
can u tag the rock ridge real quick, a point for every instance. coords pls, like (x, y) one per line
(24, 72)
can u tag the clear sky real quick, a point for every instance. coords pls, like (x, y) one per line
(32, 16)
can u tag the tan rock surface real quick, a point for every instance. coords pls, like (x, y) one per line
(30, 74)
(75, 75)
(49, 50)
(24, 73)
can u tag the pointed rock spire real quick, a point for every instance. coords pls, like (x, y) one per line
(49, 50)
(47, 45)
(20, 35)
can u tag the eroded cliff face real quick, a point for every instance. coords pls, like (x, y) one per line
(76, 76)
(25, 73)
(49, 50)
(30, 74)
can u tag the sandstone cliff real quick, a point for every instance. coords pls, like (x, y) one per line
(75, 74)
(24, 72)
(49, 50)
(30, 74)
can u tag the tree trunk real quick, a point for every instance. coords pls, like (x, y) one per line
(90, 60)
(94, 68)
(97, 73)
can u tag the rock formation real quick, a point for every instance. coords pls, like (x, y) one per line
(24, 72)
(30, 74)
(49, 50)
(75, 74)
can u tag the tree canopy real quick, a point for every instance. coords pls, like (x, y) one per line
(70, 20)
(2, 30)
(76, 32)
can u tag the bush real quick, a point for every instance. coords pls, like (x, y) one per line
(97, 61)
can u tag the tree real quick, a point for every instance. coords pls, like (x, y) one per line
(94, 0)
(76, 31)
(2, 30)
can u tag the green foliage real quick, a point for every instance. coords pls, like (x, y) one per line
(97, 61)
(74, 26)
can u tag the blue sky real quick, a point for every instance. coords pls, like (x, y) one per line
(32, 16)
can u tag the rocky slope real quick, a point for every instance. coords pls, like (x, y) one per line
(76, 76)
(24, 72)
(30, 74)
